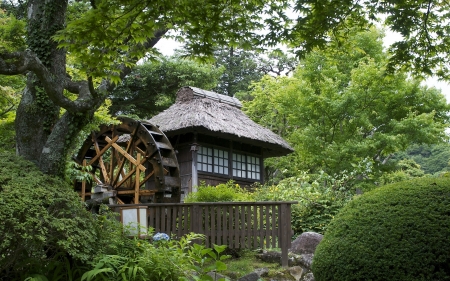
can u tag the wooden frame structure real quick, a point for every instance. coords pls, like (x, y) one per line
(238, 225)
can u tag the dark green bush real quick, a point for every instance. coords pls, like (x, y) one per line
(42, 222)
(396, 232)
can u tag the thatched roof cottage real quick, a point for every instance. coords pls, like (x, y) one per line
(215, 140)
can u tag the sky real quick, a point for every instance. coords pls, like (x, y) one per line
(167, 47)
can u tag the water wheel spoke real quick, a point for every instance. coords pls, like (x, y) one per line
(100, 159)
(132, 161)
(129, 174)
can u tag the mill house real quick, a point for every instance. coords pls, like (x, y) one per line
(215, 140)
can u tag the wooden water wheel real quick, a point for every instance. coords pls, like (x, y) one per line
(130, 163)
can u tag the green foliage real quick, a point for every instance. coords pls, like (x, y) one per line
(225, 192)
(42, 221)
(406, 169)
(342, 106)
(12, 33)
(152, 86)
(240, 69)
(396, 232)
(158, 261)
(423, 26)
(320, 196)
(115, 33)
(7, 133)
(319, 200)
(431, 158)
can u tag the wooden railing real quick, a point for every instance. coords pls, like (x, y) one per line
(238, 225)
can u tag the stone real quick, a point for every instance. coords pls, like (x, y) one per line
(309, 277)
(306, 243)
(270, 256)
(306, 260)
(250, 277)
(296, 272)
(262, 272)
(217, 276)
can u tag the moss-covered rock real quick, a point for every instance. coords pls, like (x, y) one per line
(397, 232)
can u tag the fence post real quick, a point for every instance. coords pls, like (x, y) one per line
(285, 232)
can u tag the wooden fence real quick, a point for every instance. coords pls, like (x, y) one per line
(238, 225)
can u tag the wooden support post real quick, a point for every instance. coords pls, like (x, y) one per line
(284, 232)
(137, 180)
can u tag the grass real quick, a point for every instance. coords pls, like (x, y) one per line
(247, 262)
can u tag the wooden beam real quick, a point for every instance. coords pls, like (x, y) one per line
(127, 176)
(103, 150)
(141, 192)
(125, 154)
(100, 160)
(137, 180)
(146, 178)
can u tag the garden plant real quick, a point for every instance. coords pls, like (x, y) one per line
(396, 232)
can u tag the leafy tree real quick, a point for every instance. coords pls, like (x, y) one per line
(423, 26)
(341, 106)
(107, 38)
(431, 158)
(240, 69)
(244, 67)
(152, 86)
(103, 40)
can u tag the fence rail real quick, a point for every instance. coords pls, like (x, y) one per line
(238, 225)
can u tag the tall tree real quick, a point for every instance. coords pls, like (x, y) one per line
(106, 38)
(152, 86)
(422, 24)
(341, 106)
(242, 67)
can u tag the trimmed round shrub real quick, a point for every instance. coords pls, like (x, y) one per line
(396, 232)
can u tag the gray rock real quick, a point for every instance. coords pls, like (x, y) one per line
(306, 243)
(272, 257)
(306, 260)
(217, 276)
(250, 277)
(296, 272)
(261, 271)
(309, 277)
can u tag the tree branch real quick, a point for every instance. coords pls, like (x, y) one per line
(21, 62)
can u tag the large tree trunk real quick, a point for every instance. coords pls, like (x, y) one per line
(42, 136)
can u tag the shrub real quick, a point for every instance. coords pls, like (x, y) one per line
(43, 223)
(396, 232)
(317, 203)
(160, 260)
(225, 192)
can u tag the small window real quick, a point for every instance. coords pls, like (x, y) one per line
(246, 166)
(212, 160)
(220, 161)
(239, 165)
(205, 159)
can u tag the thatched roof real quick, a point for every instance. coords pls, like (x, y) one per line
(213, 114)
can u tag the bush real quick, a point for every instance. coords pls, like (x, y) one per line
(160, 260)
(317, 203)
(225, 192)
(396, 232)
(43, 223)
